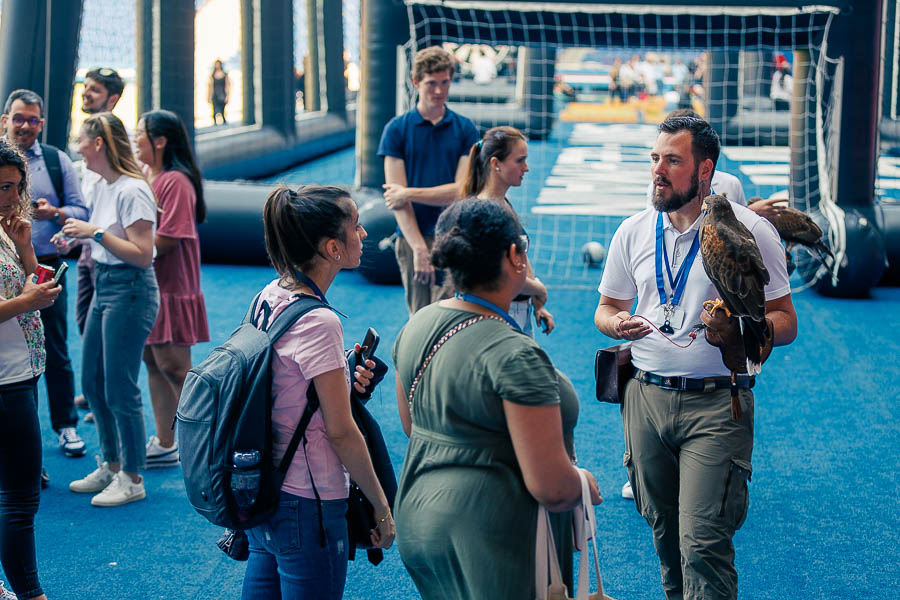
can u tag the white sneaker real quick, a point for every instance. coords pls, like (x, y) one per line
(71, 443)
(121, 490)
(160, 456)
(98, 479)
(5, 594)
(627, 492)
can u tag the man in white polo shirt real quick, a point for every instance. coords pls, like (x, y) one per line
(688, 460)
(723, 183)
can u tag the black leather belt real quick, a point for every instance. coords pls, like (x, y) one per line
(707, 384)
(47, 258)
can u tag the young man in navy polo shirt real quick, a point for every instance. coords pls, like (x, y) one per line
(425, 154)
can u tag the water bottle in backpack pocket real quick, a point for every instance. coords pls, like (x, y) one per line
(245, 480)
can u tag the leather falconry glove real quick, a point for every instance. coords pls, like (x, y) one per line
(724, 332)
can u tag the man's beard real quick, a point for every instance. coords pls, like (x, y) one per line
(676, 200)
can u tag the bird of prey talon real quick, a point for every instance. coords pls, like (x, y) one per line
(712, 306)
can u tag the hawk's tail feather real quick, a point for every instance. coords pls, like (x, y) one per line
(753, 334)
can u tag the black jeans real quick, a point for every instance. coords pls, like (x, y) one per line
(20, 485)
(59, 377)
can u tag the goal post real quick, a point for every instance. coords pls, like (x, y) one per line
(590, 172)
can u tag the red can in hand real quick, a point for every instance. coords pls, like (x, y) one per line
(43, 274)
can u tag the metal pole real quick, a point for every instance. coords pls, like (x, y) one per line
(385, 25)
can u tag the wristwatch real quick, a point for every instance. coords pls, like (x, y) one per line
(98, 235)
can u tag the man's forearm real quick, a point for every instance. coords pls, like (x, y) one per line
(406, 221)
(440, 195)
(784, 326)
(605, 319)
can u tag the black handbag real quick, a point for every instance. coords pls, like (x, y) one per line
(612, 370)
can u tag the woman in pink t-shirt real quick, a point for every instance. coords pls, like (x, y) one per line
(301, 551)
(163, 148)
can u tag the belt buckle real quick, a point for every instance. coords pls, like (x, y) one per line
(670, 383)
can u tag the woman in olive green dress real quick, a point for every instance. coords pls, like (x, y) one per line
(486, 434)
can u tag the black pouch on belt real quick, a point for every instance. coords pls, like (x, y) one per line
(612, 370)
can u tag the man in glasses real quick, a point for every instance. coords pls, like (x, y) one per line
(56, 196)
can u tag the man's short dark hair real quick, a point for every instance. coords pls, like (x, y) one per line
(684, 112)
(27, 96)
(108, 78)
(704, 139)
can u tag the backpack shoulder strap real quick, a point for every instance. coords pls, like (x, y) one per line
(251, 312)
(54, 170)
(312, 405)
(296, 309)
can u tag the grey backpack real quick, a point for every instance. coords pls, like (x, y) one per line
(225, 413)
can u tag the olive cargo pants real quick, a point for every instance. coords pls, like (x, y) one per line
(688, 463)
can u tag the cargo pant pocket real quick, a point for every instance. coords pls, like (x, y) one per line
(736, 497)
(628, 463)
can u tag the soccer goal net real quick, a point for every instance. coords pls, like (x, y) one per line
(589, 83)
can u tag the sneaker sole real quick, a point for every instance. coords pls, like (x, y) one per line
(93, 490)
(74, 453)
(102, 504)
(159, 464)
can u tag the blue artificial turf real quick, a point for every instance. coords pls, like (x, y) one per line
(824, 514)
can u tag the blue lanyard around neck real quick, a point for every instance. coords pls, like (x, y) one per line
(490, 306)
(304, 279)
(678, 283)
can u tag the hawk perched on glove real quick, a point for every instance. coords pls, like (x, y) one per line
(733, 263)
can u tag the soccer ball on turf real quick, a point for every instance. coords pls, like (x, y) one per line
(593, 253)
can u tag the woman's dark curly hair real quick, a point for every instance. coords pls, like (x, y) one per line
(11, 157)
(472, 237)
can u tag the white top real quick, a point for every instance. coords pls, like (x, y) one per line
(782, 86)
(117, 206)
(89, 181)
(484, 70)
(723, 183)
(22, 352)
(630, 271)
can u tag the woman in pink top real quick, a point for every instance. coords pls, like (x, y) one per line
(163, 147)
(301, 551)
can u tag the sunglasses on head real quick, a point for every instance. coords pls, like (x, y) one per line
(106, 72)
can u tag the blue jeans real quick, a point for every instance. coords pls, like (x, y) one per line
(20, 485)
(287, 557)
(121, 316)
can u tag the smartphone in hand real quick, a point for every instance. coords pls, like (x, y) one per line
(366, 351)
(369, 345)
(60, 272)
